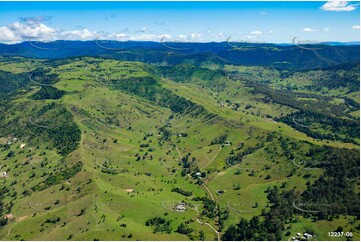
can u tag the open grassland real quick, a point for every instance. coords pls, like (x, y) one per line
(142, 156)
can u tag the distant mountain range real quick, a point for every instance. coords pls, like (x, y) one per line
(276, 55)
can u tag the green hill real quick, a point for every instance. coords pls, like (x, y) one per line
(105, 149)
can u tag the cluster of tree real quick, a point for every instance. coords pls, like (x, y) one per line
(42, 76)
(327, 127)
(236, 159)
(292, 99)
(110, 171)
(147, 87)
(189, 165)
(331, 195)
(51, 123)
(181, 191)
(345, 75)
(210, 208)
(223, 215)
(289, 57)
(53, 220)
(336, 189)
(3, 191)
(10, 83)
(220, 139)
(160, 225)
(191, 73)
(63, 131)
(48, 92)
(165, 133)
(247, 231)
(58, 177)
(184, 229)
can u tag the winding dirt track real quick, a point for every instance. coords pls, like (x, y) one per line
(204, 223)
(220, 148)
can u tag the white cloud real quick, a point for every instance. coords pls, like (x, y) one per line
(338, 6)
(22, 31)
(251, 36)
(78, 35)
(31, 30)
(256, 32)
(309, 30)
(326, 29)
(196, 36)
(149, 37)
(114, 36)
(270, 32)
(220, 35)
(356, 27)
(6, 34)
(182, 37)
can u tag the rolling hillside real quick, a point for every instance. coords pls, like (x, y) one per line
(141, 145)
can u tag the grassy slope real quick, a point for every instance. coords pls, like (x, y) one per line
(91, 103)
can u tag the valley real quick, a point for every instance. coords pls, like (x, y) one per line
(195, 149)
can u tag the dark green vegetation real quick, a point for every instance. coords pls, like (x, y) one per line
(13, 82)
(329, 128)
(148, 88)
(47, 93)
(49, 122)
(205, 144)
(247, 54)
(58, 177)
(328, 198)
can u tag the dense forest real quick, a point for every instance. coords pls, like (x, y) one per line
(327, 198)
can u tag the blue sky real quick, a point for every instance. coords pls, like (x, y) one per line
(273, 22)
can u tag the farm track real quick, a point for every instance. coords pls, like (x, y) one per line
(220, 148)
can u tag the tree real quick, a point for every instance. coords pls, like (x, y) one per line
(201, 235)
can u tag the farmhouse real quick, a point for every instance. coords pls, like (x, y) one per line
(180, 207)
(11, 140)
(227, 143)
(9, 217)
(307, 235)
(303, 237)
(22, 146)
(3, 174)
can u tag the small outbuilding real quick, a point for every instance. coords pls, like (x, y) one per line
(227, 142)
(3, 174)
(307, 235)
(9, 217)
(181, 207)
